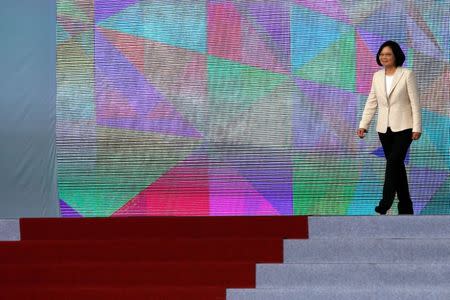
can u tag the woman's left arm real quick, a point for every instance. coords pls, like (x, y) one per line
(415, 104)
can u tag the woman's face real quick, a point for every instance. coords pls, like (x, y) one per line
(387, 57)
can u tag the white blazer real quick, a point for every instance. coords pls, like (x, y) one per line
(400, 109)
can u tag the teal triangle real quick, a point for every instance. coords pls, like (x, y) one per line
(180, 24)
(440, 202)
(61, 34)
(368, 189)
(311, 34)
(437, 129)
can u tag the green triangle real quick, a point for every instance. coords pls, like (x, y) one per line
(426, 146)
(319, 190)
(439, 203)
(68, 8)
(336, 66)
(126, 163)
(233, 87)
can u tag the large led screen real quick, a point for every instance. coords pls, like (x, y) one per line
(195, 107)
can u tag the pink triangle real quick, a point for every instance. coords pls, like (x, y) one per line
(255, 51)
(232, 194)
(193, 80)
(224, 30)
(162, 111)
(366, 65)
(331, 8)
(183, 190)
(73, 27)
(111, 104)
(133, 48)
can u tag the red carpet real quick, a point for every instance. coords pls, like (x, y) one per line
(141, 258)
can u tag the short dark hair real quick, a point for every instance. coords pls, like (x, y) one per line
(398, 53)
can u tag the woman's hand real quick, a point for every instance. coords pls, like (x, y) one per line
(361, 132)
(416, 135)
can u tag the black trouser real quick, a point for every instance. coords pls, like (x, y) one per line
(395, 146)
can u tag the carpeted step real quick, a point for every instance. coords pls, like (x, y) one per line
(162, 249)
(377, 250)
(167, 227)
(112, 292)
(181, 274)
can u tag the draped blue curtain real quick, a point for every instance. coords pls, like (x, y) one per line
(28, 185)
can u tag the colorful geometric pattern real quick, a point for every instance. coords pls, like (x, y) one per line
(220, 107)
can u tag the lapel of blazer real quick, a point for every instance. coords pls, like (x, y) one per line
(398, 74)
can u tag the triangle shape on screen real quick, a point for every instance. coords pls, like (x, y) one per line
(266, 123)
(326, 99)
(316, 190)
(67, 211)
(61, 34)
(178, 74)
(269, 171)
(311, 28)
(367, 192)
(379, 152)
(439, 91)
(109, 102)
(273, 19)
(439, 204)
(253, 42)
(180, 24)
(335, 66)
(181, 191)
(231, 194)
(310, 129)
(233, 87)
(330, 8)
(133, 48)
(105, 9)
(421, 42)
(224, 31)
(142, 96)
(422, 195)
(126, 163)
(389, 22)
(74, 27)
(70, 9)
(323, 102)
(366, 65)
(437, 129)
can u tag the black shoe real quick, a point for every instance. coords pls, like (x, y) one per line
(380, 210)
(405, 209)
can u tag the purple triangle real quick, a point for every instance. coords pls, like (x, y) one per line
(269, 173)
(67, 211)
(331, 8)
(421, 42)
(141, 95)
(379, 152)
(309, 131)
(390, 22)
(105, 9)
(275, 19)
(327, 99)
(423, 184)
